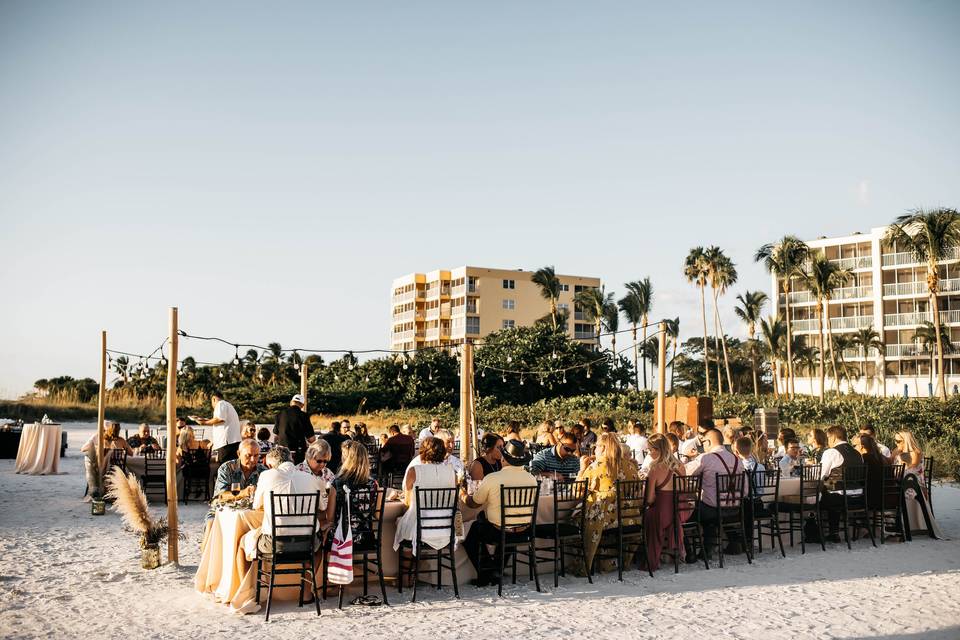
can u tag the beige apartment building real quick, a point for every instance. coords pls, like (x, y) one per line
(888, 292)
(450, 307)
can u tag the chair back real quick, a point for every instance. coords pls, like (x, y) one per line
(155, 454)
(631, 499)
(154, 465)
(118, 458)
(570, 502)
(196, 462)
(810, 482)
(731, 487)
(686, 495)
(436, 512)
(928, 470)
(890, 485)
(373, 456)
(854, 480)
(394, 481)
(764, 484)
(456, 448)
(366, 516)
(518, 507)
(293, 523)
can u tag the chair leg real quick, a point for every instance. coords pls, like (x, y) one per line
(273, 568)
(383, 586)
(340, 603)
(313, 588)
(402, 562)
(775, 530)
(303, 568)
(533, 564)
(557, 554)
(365, 575)
(416, 575)
(501, 553)
(326, 560)
(259, 583)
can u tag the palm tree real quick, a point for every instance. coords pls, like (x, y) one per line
(548, 282)
(723, 274)
(749, 310)
(774, 334)
(867, 339)
(594, 303)
(630, 307)
(928, 339)
(122, 366)
(823, 277)
(673, 334)
(931, 236)
(696, 271)
(643, 291)
(840, 343)
(611, 319)
(784, 259)
(274, 353)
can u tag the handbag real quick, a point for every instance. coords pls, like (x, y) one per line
(340, 558)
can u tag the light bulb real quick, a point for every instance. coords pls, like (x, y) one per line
(483, 373)
(588, 372)
(336, 377)
(509, 359)
(221, 375)
(521, 381)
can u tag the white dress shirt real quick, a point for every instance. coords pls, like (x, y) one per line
(229, 431)
(830, 460)
(286, 479)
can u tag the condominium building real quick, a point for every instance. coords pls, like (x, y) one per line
(888, 292)
(450, 307)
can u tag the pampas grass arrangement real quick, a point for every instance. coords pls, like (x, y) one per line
(130, 502)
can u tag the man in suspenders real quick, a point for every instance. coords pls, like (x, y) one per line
(714, 461)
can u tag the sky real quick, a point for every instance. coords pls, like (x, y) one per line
(269, 168)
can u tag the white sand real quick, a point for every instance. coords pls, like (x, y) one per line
(64, 572)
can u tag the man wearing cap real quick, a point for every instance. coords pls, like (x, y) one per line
(293, 429)
(486, 529)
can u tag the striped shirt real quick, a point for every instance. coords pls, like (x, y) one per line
(547, 461)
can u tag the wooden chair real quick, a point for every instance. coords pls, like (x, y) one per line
(631, 504)
(807, 504)
(196, 473)
(762, 507)
(294, 541)
(686, 501)
(518, 531)
(567, 529)
(154, 478)
(854, 512)
(928, 467)
(436, 511)
(731, 489)
(366, 522)
(886, 512)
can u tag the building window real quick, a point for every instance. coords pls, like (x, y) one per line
(564, 287)
(563, 306)
(509, 324)
(471, 284)
(509, 284)
(509, 303)
(473, 324)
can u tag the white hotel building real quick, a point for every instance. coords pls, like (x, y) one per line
(888, 291)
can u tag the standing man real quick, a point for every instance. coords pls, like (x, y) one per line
(293, 429)
(335, 439)
(589, 438)
(429, 432)
(226, 427)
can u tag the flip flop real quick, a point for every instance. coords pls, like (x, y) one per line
(367, 601)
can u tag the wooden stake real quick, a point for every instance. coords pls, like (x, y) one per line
(173, 554)
(303, 384)
(101, 405)
(466, 401)
(662, 381)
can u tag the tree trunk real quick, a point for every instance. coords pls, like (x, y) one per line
(716, 344)
(775, 366)
(789, 389)
(753, 362)
(820, 344)
(723, 341)
(553, 312)
(636, 368)
(644, 320)
(673, 362)
(933, 285)
(833, 355)
(706, 358)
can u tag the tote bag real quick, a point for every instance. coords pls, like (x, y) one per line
(340, 559)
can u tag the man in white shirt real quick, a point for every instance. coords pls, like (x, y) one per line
(452, 460)
(282, 477)
(790, 462)
(226, 427)
(834, 459)
(429, 432)
(637, 441)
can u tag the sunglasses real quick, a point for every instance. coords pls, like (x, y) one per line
(322, 461)
(569, 449)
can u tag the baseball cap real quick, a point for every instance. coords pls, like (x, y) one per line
(298, 398)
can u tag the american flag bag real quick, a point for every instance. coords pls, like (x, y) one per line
(340, 558)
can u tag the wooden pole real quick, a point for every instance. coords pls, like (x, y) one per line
(662, 381)
(173, 554)
(466, 400)
(303, 384)
(101, 405)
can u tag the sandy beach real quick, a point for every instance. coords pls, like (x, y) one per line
(66, 573)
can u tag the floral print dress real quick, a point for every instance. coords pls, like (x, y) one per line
(602, 505)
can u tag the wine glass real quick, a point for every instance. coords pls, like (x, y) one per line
(235, 489)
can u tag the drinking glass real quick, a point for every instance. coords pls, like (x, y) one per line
(235, 489)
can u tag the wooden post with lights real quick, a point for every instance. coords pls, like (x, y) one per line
(101, 406)
(173, 539)
(466, 402)
(303, 384)
(662, 380)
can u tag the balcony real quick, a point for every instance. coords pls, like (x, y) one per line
(459, 291)
(433, 334)
(402, 298)
(918, 318)
(406, 316)
(919, 287)
(433, 313)
(905, 350)
(852, 293)
(583, 335)
(907, 258)
(862, 262)
(857, 353)
(799, 297)
(836, 324)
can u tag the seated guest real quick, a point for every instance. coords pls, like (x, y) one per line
(685, 450)
(317, 461)
(636, 440)
(362, 435)
(354, 474)
(248, 430)
(491, 445)
(743, 449)
(431, 471)
(708, 466)
(112, 439)
(658, 518)
(545, 435)
(834, 459)
(187, 443)
(786, 433)
(589, 438)
(601, 471)
(513, 431)
(383, 438)
(870, 431)
(557, 461)
(429, 431)
(335, 439)
(406, 430)
(907, 451)
(875, 462)
(486, 529)
(607, 426)
(282, 477)
(790, 463)
(730, 436)
(245, 470)
(143, 442)
(263, 439)
(816, 443)
(397, 452)
(446, 437)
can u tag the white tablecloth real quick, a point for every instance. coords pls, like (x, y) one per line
(39, 452)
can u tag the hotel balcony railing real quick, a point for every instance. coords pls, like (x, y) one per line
(471, 308)
(433, 334)
(402, 298)
(905, 350)
(433, 314)
(918, 318)
(862, 262)
(579, 315)
(583, 335)
(459, 291)
(907, 257)
(406, 316)
(919, 287)
(856, 352)
(837, 324)
(445, 310)
(844, 293)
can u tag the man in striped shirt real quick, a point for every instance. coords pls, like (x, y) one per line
(560, 460)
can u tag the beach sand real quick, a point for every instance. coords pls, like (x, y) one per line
(65, 573)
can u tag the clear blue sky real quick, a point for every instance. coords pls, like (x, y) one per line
(270, 168)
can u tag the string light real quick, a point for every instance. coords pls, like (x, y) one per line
(521, 379)
(236, 355)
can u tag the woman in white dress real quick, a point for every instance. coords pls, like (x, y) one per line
(431, 473)
(908, 453)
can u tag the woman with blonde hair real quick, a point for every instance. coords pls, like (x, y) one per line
(545, 436)
(187, 442)
(658, 518)
(907, 452)
(354, 474)
(601, 471)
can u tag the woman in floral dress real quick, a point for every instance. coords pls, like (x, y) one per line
(601, 471)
